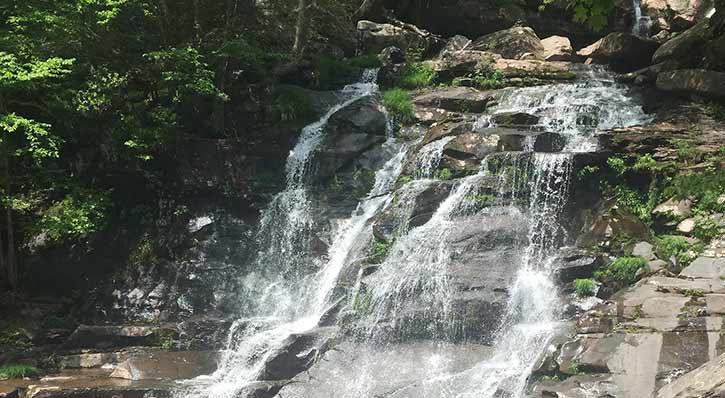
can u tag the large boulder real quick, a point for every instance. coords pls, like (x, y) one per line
(706, 381)
(349, 132)
(624, 52)
(558, 48)
(459, 63)
(457, 99)
(681, 14)
(513, 43)
(374, 37)
(693, 81)
(684, 46)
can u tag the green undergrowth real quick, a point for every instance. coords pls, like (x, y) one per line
(379, 249)
(621, 271)
(677, 250)
(17, 371)
(333, 73)
(292, 102)
(399, 105)
(584, 287)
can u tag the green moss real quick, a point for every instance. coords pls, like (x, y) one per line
(333, 73)
(693, 292)
(17, 371)
(405, 179)
(399, 105)
(364, 181)
(585, 287)
(379, 248)
(415, 75)
(368, 61)
(621, 271)
(489, 78)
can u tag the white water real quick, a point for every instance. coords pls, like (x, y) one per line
(430, 156)
(642, 23)
(595, 101)
(290, 306)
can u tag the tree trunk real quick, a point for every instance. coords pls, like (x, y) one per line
(197, 23)
(301, 28)
(218, 113)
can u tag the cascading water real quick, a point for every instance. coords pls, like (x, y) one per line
(289, 302)
(430, 156)
(642, 23)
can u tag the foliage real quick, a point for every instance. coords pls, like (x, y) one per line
(399, 105)
(53, 321)
(585, 287)
(17, 371)
(415, 75)
(622, 270)
(380, 248)
(594, 13)
(445, 174)
(489, 78)
(693, 293)
(292, 102)
(404, 179)
(367, 61)
(706, 228)
(677, 249)
(79, 213)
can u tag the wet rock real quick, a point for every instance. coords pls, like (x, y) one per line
(297, 354)
(624, 52)
(558, 48)
(415, 205)
(96, 384)
(86, 336)
(463, 155)
(162, 365)
(392, 56)
(578, 387)
(516, 120)
(350, 132)
(343, 372)
(374, 37)
(446, 129)
(511, 43)
(693, 81)
(456, 99)
(549, 142)
(202, 334)
(576, 263)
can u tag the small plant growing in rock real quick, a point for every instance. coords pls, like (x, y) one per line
(585, 287)
(623, 270)
(678, 248)
(17, 371)
(445, 174)
(380, 248)
(706, 228)
(693, 293)
(399, 105)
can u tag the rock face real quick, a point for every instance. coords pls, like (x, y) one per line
(457, 99)
(375, 37)
(513, 43)
(624, 52)
(706, 381)
(694, 81)
(558, 48)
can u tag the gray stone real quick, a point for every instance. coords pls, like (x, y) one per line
(457, 99)
(511, 43)
(675, 208)
(163, 365)
(644, 250)
(375, 37)
(706, 381)
(705, 268)
(693, 81)
(558, 48)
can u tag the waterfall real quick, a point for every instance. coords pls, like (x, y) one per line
(430, 156)
(289, 302)
(642, 23)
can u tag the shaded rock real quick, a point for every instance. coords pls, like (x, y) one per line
(456, 99)
(374, 37)
(606, 222)
(558, 48)
(511, 43)
(549, 142)
(456, 43)
(392, 56)
(684, 45)
(573, 263)
(86, 336)
(464, 154)
(706, 381)
(589, 50)
(693, 81)
(350, 132)
(624, 52)
(516, 120)
(162, 365)
(297, 354)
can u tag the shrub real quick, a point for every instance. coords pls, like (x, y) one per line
(367, 61)
(677, 247)
(17, 371)
(585, 287)
(334, 73)
(416, 75)
(292, 102)
(79, 213)
(706, 228)
(489, 78)
(623, 270)
(399, 105)
(380, 248)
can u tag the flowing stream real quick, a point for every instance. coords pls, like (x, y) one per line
(642, 23)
